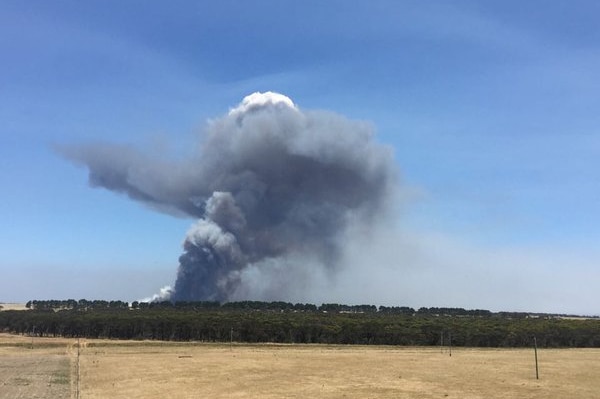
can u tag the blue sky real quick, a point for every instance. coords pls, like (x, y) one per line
(491, 108)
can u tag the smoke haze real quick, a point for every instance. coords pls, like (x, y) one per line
(275, 191)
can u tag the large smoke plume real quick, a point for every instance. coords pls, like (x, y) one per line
(270, 182)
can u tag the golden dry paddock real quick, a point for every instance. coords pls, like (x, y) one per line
(130, 369)
(12, 306)
(42, 372)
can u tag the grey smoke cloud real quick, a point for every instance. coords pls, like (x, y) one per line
(270, 182)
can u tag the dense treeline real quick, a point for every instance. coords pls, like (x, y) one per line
(281, 322)
(82, 304)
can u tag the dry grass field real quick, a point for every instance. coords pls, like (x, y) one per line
(127, 369)
(44, 371)
(12, 306)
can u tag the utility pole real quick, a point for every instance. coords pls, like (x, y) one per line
(78, 370)
(537, 374)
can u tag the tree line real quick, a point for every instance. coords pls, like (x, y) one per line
(84, 304)
(280, 322)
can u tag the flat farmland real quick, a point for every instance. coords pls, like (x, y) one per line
(140, 369)
(165, 370)
(43, 371)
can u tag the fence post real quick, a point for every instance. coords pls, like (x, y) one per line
(537, 374)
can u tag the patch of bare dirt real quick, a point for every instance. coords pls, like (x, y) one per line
(43, 372)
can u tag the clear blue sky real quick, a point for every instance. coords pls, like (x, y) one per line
(492, 109)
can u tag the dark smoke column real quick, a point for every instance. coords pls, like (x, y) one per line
(210, 254)
(288, 182)
(270, 183)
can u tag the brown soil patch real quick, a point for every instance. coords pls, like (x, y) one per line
(43, 371)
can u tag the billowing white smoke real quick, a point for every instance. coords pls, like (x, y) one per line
(271, 185)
